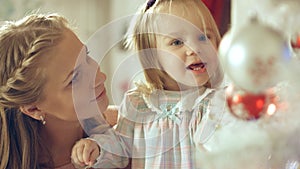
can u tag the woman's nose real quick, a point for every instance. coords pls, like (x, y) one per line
(100, 78)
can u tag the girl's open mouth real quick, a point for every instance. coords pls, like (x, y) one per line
(197, 67)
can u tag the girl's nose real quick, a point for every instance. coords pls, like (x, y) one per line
(189, 52)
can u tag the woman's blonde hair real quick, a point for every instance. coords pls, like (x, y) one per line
(141, 36)
(23, 44)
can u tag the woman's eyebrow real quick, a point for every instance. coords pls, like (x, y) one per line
(76, 68)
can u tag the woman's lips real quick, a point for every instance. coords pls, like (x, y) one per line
(100, 96)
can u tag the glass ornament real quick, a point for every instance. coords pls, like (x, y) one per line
(250, 106)
(255, 56)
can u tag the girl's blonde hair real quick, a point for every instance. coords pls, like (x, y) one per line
(23, 44)
(142, 37)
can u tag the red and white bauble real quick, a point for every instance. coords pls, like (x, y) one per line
(250, 106)
(295, 42)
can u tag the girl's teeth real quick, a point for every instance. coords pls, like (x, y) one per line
(198, 66)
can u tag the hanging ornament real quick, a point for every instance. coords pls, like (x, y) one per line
(224, 45)
(295, 45)
(295, 42)
(249, 106)
(254, 56)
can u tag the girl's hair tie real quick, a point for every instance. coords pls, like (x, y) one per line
(149, 4)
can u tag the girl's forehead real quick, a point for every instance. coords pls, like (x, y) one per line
(181, 8)
(176, 24)
(181, 14)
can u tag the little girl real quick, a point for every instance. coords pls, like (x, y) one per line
(176, 41)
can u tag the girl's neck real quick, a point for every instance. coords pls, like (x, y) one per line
(172, 85)
(184, 88)
(59, 137)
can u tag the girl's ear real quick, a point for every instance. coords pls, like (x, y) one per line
(31, 111)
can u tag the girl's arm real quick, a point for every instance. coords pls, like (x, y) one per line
(115, 146)
(103, 149)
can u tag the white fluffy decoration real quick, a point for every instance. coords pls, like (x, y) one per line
(268, 143)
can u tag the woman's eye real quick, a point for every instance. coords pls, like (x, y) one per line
(74, 78)
(176, 42)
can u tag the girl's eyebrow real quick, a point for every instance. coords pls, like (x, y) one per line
(173, 34)
(209, 30)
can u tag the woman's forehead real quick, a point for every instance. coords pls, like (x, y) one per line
(63, 57)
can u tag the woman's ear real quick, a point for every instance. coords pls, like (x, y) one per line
(31, 111)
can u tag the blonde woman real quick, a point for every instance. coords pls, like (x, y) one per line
(41, 62)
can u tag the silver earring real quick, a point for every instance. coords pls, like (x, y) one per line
(43, 120)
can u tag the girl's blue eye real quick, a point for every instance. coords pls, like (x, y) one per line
(176, 42)
(202, 38)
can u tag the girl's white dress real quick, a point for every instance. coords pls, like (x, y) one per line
(157, 128)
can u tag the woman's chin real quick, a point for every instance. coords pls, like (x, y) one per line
(103, 104)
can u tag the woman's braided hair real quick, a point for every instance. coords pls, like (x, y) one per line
(23, 44)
